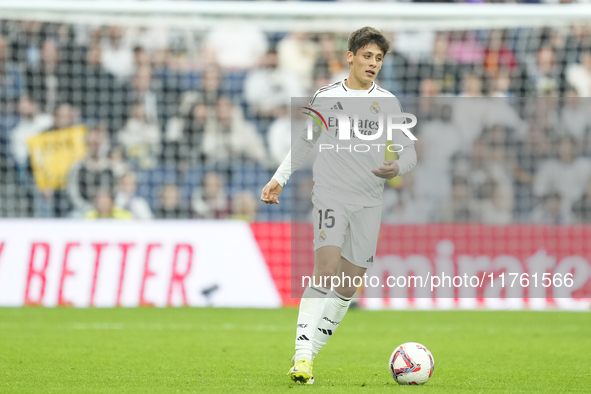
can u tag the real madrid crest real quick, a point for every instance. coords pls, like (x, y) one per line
(322, 236)
(375, 107)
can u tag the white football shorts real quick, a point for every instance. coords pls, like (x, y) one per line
(353, 228)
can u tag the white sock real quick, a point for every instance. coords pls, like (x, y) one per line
(335, 308)
(311, 307)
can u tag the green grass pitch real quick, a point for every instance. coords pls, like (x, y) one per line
(147, 350)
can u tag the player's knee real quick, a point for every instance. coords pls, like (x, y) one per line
(323, 278)
(346, 291)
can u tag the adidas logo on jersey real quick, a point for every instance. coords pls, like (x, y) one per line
(337, 106)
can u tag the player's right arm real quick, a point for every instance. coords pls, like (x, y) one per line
(271, 192)
(296, 156)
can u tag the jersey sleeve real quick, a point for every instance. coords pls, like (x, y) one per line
(407, 158)
(300, 149)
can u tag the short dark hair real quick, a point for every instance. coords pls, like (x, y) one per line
(367, 35)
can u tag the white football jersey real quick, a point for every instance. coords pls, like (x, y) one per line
(343, 172)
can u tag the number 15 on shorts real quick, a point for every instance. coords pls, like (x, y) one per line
(327, 219)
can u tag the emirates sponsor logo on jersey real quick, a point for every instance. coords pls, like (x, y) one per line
(356, 125)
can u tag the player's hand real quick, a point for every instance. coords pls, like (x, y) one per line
(389, 171)
(271, 192)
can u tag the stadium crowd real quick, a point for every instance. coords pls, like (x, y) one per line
(184, 124)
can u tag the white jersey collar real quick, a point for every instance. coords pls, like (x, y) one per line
(368, 91)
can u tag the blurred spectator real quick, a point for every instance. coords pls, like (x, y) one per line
(546, 77)
(117, 54)
(210, 201)
(141, 58)
(574, 116)
(469, 111)
(65, 116)
(526, 160)
(428, 107)
(543, 113)
(128, 199)
(428, 186)
(472, 86)
(30, 123)
(439, 67)
(441, 139)
(170, 206)
(141, 138)
(501, 84)
(473, 167)
(279, 136)
(211, 85)
(577, 42)
(244, 206)
(499, 171)
(502, 112)
(104, 208)
(460, 207)
(98, 94)
(229, 137)
(152, 38)
(92, 174)
(25, 50)
(49, 202)
(118, 161)
(184, 132)
(465, 48)
(329, 62)
(550, 211)
(141, 92)
(495, 207)
(415, 44)
(568, 175)
(429, 87)
(556, 38)
(297, 55)
(12, 82)
(269, 87)
(582, 207)
(320, 81)
(235, 45)
(579, 75)
(415, 202)
(170, 80)
(47, 83)
(392, 75)
(498, 56)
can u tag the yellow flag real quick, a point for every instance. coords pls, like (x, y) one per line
(53, 153)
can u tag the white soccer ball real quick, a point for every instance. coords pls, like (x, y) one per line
(411, 363)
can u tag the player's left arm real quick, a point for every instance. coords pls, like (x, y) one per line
(407, 157)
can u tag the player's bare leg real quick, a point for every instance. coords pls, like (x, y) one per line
(327, 260)
(326, 263)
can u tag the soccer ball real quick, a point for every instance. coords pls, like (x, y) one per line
(411, 363)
